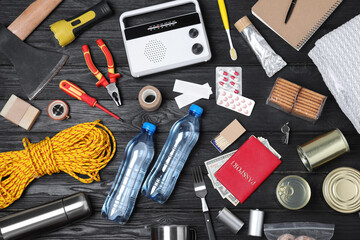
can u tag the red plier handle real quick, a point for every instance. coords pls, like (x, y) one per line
(89, 62)
(110, 62)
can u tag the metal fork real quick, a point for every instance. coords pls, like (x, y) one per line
(200, 192)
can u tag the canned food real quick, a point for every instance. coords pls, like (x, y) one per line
(293, 192)
(322, 149)
(341, 190)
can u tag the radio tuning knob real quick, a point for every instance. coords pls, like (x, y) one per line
(197, 48)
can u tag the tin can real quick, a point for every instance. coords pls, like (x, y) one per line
(323, 149)
(293, 192)
(341, 190)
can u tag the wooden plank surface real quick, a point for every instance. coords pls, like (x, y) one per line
(182, 207)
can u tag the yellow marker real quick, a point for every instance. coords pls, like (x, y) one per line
(65, 31)
(225, 20)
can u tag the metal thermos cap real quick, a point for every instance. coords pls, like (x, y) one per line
(256, 223)
(230, 220)
(44, 218)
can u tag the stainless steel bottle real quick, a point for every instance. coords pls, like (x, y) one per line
(44, 218)
(173, 232)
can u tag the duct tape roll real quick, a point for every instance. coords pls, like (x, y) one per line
(150, 98)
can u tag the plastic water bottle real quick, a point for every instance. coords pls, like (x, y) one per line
(138, 155)
(183, 136)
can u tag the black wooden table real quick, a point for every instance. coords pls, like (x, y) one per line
(182, 207)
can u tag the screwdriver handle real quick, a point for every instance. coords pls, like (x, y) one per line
(110, 61)
(89, 62)
(74, 91)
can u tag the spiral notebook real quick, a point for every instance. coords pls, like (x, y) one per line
(306, 18)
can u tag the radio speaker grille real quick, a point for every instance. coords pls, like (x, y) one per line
(155, 51)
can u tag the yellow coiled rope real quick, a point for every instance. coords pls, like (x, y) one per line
(83, 149)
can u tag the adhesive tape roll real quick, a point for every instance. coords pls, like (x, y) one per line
(150, 98)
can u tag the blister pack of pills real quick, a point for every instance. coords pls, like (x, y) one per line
(229, 79)
(235, 102)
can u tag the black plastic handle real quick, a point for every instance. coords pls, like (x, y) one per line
(101, 10)
(209, 226)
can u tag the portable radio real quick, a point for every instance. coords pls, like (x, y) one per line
(164, 44)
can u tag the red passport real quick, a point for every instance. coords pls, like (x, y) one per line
(250, 165)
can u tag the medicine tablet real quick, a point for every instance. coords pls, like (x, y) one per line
(223, 79)
(222, 72)
(235, 78)
(236, 103)
(233, 72)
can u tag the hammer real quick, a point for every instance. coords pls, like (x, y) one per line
(35, 67)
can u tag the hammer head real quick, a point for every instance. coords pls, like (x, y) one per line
(35, 67)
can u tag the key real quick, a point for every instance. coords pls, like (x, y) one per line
(285, 129)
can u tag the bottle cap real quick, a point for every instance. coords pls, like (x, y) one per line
(242, 23)
(196, 109)
(77, 207)
(149, 127)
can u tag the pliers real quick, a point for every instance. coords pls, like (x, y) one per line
(111, 87)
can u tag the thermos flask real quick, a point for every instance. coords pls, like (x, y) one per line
(44, 218)
(173, 232)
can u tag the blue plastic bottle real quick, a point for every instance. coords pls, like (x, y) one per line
(139, 152)
(183, 136)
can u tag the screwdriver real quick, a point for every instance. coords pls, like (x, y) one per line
(74, 91)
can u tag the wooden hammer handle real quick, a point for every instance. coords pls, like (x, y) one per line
(29, 19)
